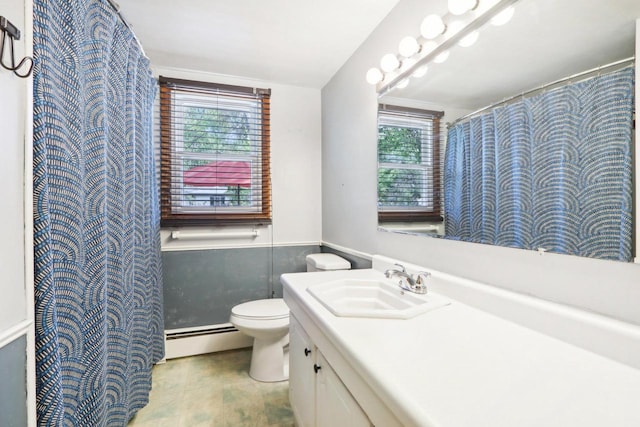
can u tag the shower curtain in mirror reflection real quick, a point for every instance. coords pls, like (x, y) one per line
(553, 171)
(97, 260)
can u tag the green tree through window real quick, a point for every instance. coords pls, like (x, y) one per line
(217, 131)
(215, 153)
(213, 130)
(408, 164)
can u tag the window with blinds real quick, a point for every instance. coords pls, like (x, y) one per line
(408, 164)
(214, 153)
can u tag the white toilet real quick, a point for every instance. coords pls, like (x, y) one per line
(267, 321)
(326, 262)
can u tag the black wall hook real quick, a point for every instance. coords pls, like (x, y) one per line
(11, 31)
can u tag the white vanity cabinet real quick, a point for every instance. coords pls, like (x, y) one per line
(420, 372)
(318, 396)
(301, 375)
(334, 404)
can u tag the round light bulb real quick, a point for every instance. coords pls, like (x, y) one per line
(374, 76)
(469, 39)
(503, 17)
(420, 72)
(441, 57)
(408, 47)
(432, 26)
(458, 7)
(389, 62)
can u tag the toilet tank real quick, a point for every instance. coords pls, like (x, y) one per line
(326, 262)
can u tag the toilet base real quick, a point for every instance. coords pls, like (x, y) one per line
(270, 361)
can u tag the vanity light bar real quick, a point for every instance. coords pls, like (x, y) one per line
(386, 81)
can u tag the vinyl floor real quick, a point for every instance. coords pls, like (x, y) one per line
(213, 390)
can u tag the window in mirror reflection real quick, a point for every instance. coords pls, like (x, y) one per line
(408, 164)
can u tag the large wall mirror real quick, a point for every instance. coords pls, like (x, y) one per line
(547, 45)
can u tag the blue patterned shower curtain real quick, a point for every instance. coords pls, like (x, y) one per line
(553, 171)
(97, 262)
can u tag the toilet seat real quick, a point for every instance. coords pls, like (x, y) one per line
(264, 309)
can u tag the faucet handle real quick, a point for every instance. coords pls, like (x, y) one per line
(404, 270)
(421, 278)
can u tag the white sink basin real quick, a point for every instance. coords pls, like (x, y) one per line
(373, 298)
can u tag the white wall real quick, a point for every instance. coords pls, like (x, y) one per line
(295, 166)
(16, 281)
(349, 201)
(12, 123)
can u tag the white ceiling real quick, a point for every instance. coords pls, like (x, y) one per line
(297, 42)
(545, 41)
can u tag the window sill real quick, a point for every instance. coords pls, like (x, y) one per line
(428, 217)
(200, 222)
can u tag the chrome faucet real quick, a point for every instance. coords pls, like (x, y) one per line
(416, 284)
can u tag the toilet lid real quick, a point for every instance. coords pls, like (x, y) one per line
(273, 308)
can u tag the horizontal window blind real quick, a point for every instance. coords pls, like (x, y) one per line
(409, 164)
(215, 145)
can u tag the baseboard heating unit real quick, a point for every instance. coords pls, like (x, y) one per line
(203, 339)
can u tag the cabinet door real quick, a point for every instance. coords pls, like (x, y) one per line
(335, 405)
(301, 375)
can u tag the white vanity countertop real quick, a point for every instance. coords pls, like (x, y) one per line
(458, 366)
